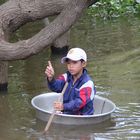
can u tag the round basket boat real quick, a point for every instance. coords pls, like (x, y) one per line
(43, 105)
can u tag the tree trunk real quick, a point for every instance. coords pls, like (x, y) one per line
(61, 44)
(3, 67)
(3, 76)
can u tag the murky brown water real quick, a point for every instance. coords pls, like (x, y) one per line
(113, 49)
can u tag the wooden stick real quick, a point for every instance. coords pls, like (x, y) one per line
(52, 115)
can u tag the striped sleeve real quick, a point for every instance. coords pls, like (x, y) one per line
(86, 93)
(89, 86)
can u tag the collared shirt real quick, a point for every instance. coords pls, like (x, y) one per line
(78, 97)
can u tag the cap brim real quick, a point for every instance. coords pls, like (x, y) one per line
(63, 60)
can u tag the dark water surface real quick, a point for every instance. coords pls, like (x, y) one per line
(113, 49)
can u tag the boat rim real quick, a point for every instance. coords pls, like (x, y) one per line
(74, 116)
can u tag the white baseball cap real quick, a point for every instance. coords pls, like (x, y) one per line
(75, 54)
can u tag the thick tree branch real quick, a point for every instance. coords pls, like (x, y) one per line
(26, 48)
(15, 13)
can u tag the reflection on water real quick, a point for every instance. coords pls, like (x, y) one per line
(114, 64)
(61, 132)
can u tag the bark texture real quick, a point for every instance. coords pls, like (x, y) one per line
(61, 44)
(15, 13)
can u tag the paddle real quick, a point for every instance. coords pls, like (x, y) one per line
(52, 115)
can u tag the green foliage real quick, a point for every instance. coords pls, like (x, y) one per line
(2, 1)
(114, 8)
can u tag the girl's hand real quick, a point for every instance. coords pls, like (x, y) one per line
(49, 71)
(58, 106)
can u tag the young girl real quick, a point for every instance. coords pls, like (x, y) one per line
(79, 95)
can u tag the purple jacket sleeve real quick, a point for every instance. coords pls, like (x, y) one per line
(56, 85)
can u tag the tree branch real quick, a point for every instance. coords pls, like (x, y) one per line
(26, 48)
(15, 13)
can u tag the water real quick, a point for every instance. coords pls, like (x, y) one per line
(114, 64)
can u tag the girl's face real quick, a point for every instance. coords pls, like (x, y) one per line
(75, 67)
